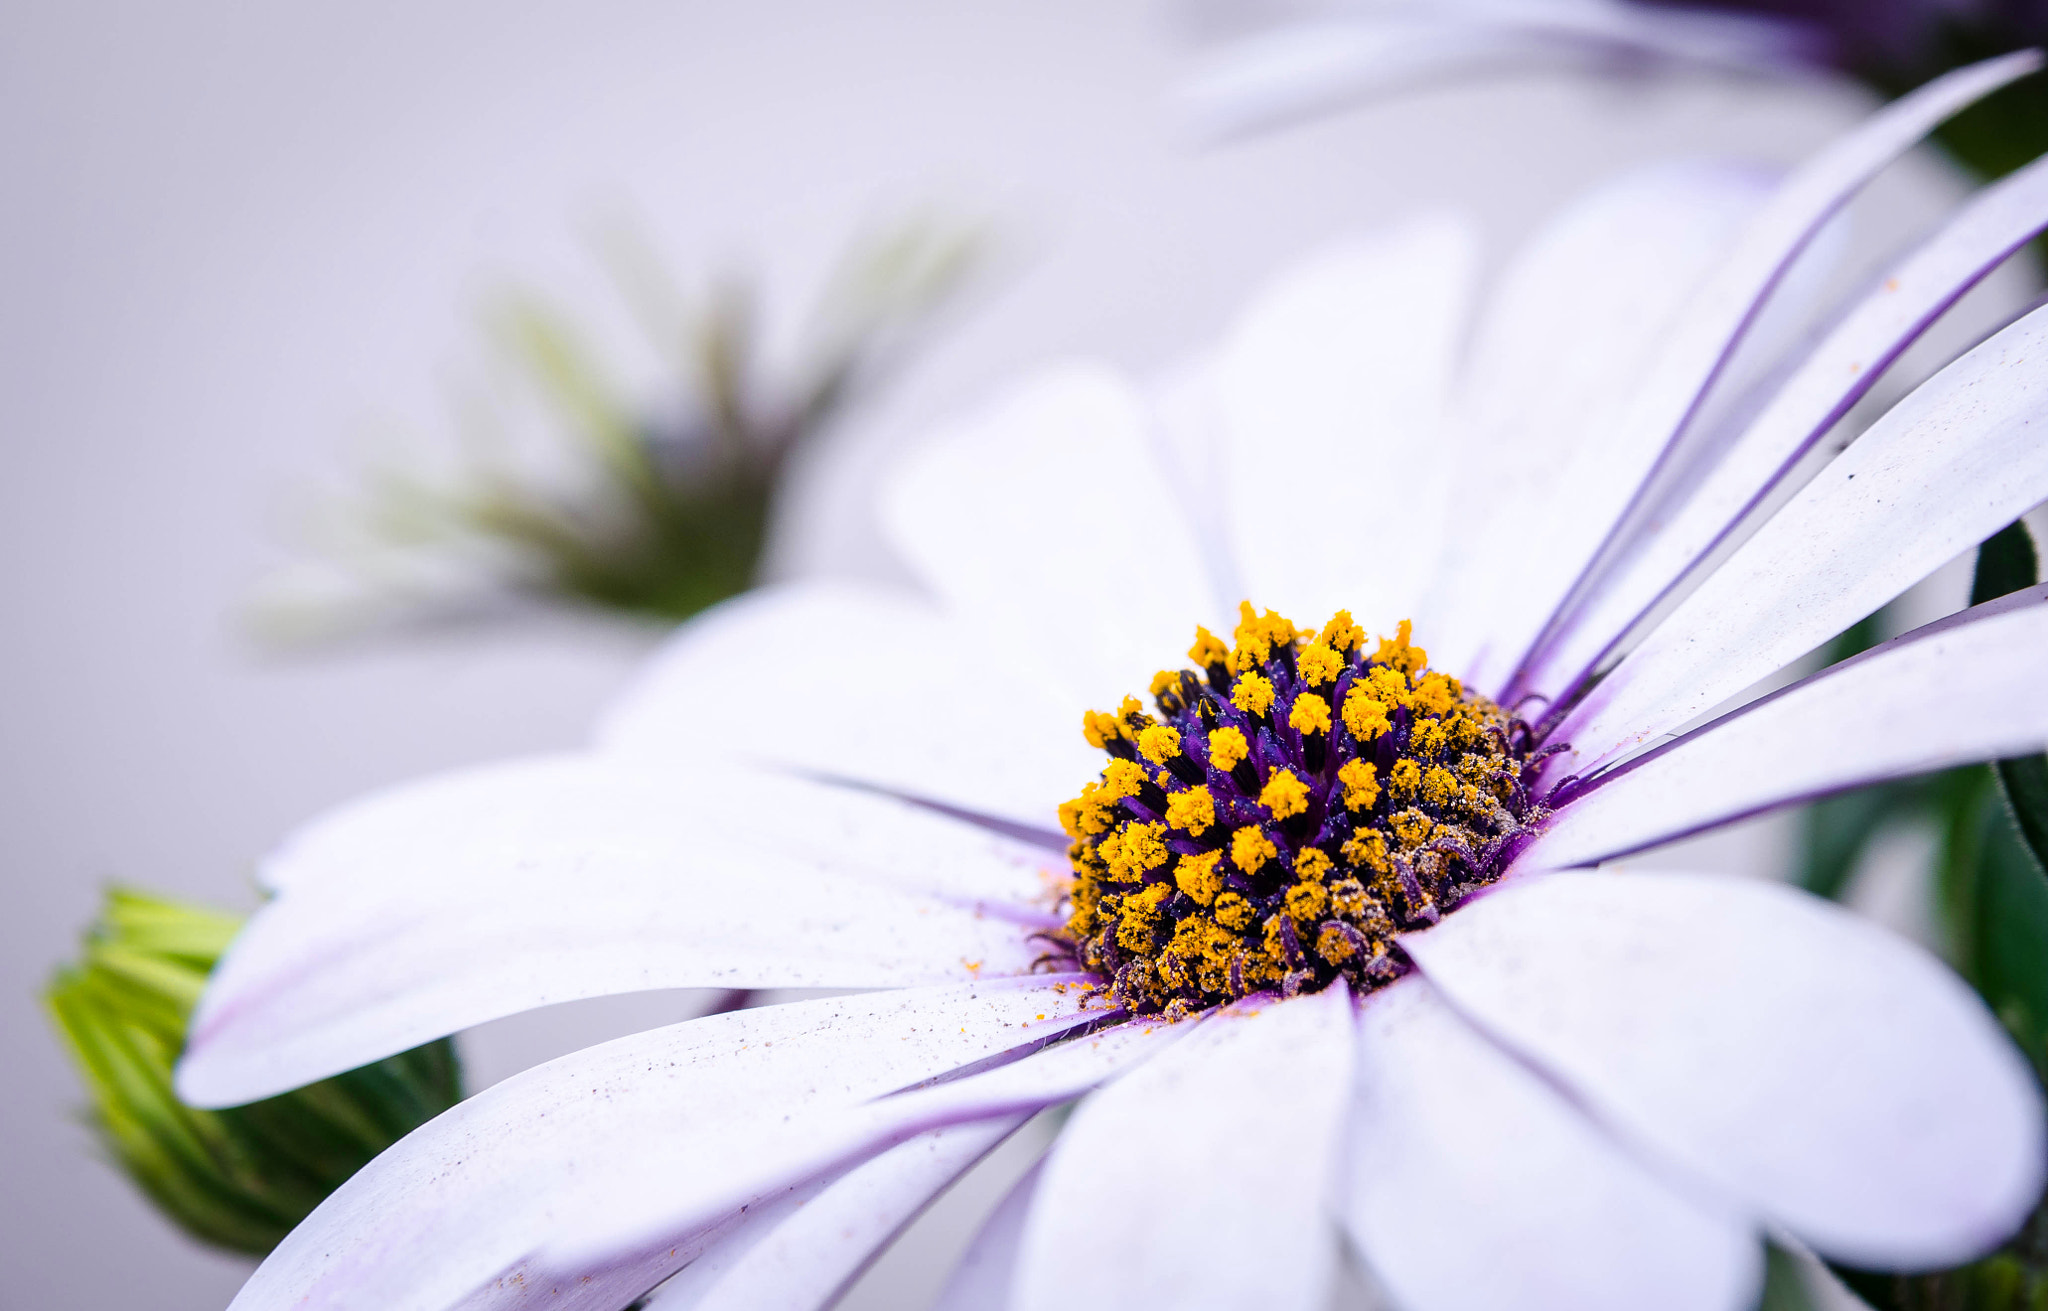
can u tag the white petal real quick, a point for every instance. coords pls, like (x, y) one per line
(1913, 472)
(853, 681)
(1613, 465)
(1570, 326)
(440, 905)
(455, 1212)
(1832, 1076)
(812, 1256)
(1966, 689)
(1472, 1185)
(1332, 391)
(1201, 1179)
(676, 1191)
(982, 1280)
(1047, 521)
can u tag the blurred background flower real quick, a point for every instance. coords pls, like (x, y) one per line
(242, 238)
(654, 512)
(1279, 59)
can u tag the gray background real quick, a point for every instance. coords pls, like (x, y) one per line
(242, 245)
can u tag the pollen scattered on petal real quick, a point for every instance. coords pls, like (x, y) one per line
(1250, 848)
(1284, 795)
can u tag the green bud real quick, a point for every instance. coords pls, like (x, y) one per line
(238, 1178)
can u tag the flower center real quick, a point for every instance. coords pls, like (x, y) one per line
(1290, 808)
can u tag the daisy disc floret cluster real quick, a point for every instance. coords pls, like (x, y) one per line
(1289, 810)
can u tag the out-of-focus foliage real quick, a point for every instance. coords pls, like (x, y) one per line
(1991, 886)
(239, 1178)
(640, 509)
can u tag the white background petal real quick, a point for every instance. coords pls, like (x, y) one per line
(1331, 395)
(1471, 1185)
(1562, 337)
(1201, 1179)
(1838, 1079)
(857, 681)
(1046, 520)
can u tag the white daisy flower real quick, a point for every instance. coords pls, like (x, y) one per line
(1321, 952)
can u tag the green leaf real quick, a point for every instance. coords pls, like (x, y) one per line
(2006, 562)
(239, 1178)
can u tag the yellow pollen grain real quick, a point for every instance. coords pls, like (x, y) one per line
(1436, 694)
(1199, 876)
(1365, 714)
(1390, 685)
(1227, 749)
(1251, 848)
(1284, 795)
(1340, 634)
(1166, 680)
(1399, 652)
(1100, 729)
(1361, 784)
(1368, 848)
(1319, 664)
(1253, 694)
(1159, 744)
(1192, 811)
(1427, 737)
(1412, 827)
(1440, 786)
(1234, 912)
(1208, 649)
(1123, 778)
(1132, 713)
(1141, 914)
(1335, 946)
(1313, 864)
(1134, 851)
(1403, 779)
(1311, 714)
(1306, 902)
